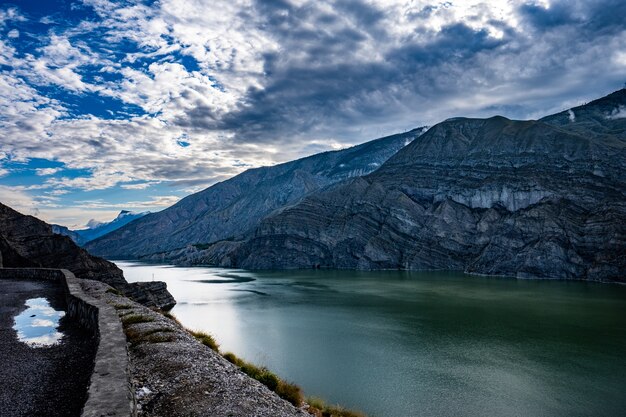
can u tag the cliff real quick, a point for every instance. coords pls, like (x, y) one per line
(494, 196)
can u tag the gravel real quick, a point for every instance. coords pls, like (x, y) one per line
(42, 381)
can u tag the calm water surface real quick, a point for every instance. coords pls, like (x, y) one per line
(417, 344)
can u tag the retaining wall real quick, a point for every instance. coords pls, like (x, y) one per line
(109, 391)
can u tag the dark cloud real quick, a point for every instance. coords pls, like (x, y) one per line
(322, 82)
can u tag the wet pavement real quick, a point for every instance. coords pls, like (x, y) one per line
(48, 375)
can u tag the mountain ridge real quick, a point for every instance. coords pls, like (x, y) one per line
(232, 207)
(489, 196)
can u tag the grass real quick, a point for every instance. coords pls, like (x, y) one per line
(206, 339)
(114, 291)
(158, 335)
(129, 319)
(283, 389)
(122, 306)
(319, 408)
(286, 390)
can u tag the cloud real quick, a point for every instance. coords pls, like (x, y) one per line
(47, 171)
(618, 113)
(13, 33)
(571, 115)
(111, 88)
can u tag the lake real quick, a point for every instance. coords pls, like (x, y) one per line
(397, 344)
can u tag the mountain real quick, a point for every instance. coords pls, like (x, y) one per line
(65, 231)
(232, 207)
(82, 236)
(26, 241)
(491, 196)
(605, 117)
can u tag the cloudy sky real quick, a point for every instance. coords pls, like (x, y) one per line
(109, 105)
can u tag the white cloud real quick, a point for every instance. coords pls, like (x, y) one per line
(272, 85)
(14, 33)
(618, 113)
(46, 171)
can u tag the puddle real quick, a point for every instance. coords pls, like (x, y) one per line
(37, 325)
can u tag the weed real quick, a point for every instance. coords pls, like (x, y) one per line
(113, 291)
(206, 339)
(319, 408)
(129, 319)
(285, 390)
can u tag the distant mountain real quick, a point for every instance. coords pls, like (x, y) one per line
(26, 241)
(491, 196)
(230, 208)
(64, 231)
(97, 229)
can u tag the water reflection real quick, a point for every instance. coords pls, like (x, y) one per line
(38, 324)
(398, 344)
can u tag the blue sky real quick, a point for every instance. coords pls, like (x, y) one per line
(110, 105)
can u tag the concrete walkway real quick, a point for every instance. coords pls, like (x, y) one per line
(43, 381)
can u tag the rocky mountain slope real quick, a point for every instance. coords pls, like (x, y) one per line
(230, 208)
(604, 117)
(492, 196)
(26, 241)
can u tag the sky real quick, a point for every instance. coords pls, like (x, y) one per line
(109, 105)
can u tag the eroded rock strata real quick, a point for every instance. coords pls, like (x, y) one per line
(490, 196)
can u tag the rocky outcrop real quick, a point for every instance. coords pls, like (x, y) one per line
(231, 208)
(172, 374)
(26, 241)
(489, 196)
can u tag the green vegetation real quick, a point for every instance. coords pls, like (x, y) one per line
(113, 291)
(206, 339)
(285, 390)
(122, 306)
(129, 319)
(319, 408)
(171, 317)
(158, 335)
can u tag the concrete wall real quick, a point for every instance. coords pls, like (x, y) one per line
(109, 390)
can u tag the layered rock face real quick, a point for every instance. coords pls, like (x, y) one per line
(490, 196)
(230, 208)
(26, 241)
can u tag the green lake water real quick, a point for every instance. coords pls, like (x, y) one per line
(402, 344)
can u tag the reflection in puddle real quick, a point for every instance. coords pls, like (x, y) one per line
(37, 325)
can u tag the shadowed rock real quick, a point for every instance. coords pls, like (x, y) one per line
(490, 196)
(26, 241)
